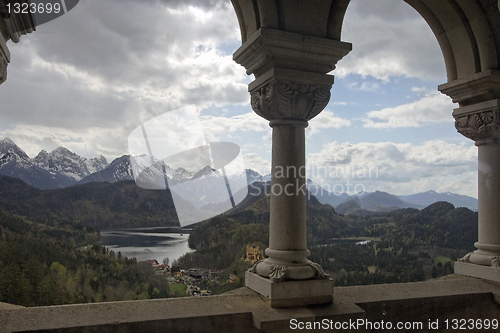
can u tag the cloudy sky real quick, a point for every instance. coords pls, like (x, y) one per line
(89, 78)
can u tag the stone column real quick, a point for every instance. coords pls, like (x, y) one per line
(291, 88)
(481, 123)
(478, 118)
(289, 99)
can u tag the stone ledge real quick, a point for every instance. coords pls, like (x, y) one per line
(243, 310)
(477, 271)
(291, 293)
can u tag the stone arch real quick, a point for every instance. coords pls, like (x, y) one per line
(318, 18)
(291, 46)
(468, 31)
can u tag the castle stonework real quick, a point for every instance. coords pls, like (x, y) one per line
(291, 47)
(254, 254)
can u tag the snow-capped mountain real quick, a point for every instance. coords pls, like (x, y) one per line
(10, 152)
(7, 146)
(119, 169)
(14, 162)
(62, 168)
(249, 176)
(154, 175)
(68, 163)
(181, 175)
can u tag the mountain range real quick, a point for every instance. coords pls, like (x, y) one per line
(62, 168)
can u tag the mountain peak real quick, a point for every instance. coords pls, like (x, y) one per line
(182, 174)
(7, 141)
(66, 162)
(7, 146)
(62, 150)
(203, 172)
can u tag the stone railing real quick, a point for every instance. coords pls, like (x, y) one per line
(243, 310)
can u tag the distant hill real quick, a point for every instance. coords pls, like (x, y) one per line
(383, 202)
(351, 206)
(324, 196)
(371, 203)
(100, 205)
(430, 197)
(220, 241)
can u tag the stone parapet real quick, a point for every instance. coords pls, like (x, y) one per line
(244, 310)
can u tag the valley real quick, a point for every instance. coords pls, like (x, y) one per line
(405, 239)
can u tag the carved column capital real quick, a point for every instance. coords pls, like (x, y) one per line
(287, 99)
(479, 122)
(291, 80)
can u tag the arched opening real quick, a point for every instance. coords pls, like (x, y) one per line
(464, 33)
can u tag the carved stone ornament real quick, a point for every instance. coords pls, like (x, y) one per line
(479, 126)
(284, 99)
(465, 258)
(277, 272)
(320, 273)
(495, 262)
(253, 269)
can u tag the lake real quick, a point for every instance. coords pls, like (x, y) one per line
(147, 243)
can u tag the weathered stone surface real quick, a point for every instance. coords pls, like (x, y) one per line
(291, 88)
(244, 310)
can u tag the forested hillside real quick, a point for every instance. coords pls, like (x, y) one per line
(97, 205)
(404, 245)
(48, 253)
(47, 265)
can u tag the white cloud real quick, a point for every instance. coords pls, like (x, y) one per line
(215, 127)
(326, 119)
(365, 86)
(397, 167)
(257, 163)
(433, 107)
(131, 61)
(90, 142)
(389, 39)
(90, 77)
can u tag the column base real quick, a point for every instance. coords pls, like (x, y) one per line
(288, 294)
(477, 271)
(486, 255)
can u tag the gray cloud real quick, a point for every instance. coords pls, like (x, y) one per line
(112, 64)
(207, 4)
